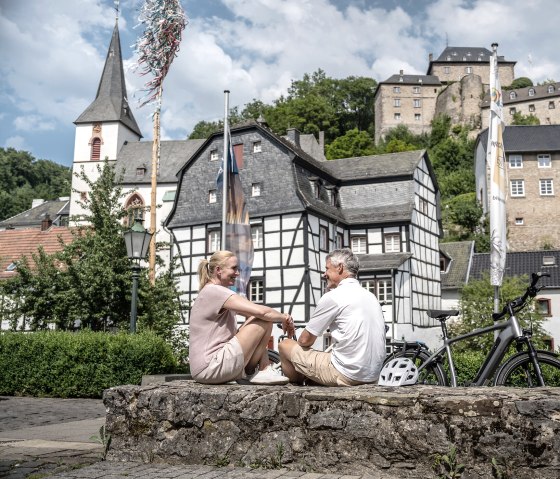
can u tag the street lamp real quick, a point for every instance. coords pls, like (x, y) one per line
(137, 241)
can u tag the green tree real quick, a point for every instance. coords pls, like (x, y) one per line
(476, 305)
(461, 217)
(353, 143)
(88, 283)
(521, 82)
(520, 119)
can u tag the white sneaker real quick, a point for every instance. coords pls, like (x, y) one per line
(269, 376)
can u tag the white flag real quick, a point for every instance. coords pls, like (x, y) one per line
(498, 188)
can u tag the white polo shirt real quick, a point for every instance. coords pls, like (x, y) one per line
(355, 319)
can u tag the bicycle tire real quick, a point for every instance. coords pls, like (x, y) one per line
(518, 371)
(432, 375)
(273, 356)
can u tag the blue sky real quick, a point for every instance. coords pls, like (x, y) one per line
(53, 53)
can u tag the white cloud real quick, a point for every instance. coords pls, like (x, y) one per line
(17, 142)
(33, 123)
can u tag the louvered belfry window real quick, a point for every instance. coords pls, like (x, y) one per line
(95, 149)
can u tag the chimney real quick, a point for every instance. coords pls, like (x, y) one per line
(293, 136)
(430, 57)
(46, 223)
(37, 202)
(322, 141)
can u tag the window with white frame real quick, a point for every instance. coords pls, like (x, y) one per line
(446, 70)
(392, 242)
(544, 161)
(339, 241)
(214, 155)
(519, 221)
(257, 236)
(359, 244)
(417, 103)
(323, 238)
(382, 288)
(256, 290)
(212, 196)
(256, 189)
(515, 161)
(415, 89)
(422, 206)
(517, 188)
(397, 116)
(396, 89)
(531, 92)
(550, 89)
(213, 241)
(532, 108)
(468, 70)
(257, 147)
(543, 306)
(546, 187)
(512, 95)
(397, 102)
(417, 117)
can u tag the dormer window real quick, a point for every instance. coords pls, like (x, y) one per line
(140, 172)
(314, 182)
(512, 95)
(11, 267)
(448, 58)
(214, 155)
(257, 147)
(549, 261)
(531, 92)
(550, 89)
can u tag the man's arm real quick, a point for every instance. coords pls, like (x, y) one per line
(306, 339)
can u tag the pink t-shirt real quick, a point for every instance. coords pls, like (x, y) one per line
(210, 326)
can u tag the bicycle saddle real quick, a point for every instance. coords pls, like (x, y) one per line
(442, 314)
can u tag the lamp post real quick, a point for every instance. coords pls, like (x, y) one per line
(137, 241)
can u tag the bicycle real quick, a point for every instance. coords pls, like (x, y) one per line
(528, 367)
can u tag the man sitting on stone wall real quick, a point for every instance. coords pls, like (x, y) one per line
(355, 320)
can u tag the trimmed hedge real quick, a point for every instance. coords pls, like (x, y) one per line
(83, 364)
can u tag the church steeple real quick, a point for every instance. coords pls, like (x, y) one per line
(111, 102)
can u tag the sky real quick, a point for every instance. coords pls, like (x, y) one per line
(52, 54)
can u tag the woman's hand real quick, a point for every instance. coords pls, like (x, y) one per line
(288, 325)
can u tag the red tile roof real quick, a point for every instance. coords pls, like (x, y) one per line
(17, 243)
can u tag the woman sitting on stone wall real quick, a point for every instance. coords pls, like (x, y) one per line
(218, 351)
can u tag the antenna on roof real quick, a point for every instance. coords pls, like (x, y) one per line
(116, 11)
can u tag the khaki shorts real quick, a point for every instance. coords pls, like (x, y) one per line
(225, 365)
(317, 366)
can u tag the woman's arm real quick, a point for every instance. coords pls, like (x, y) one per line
(243, 306)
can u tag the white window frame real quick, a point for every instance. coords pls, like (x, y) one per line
(214, 240)
(359, 244)
(392, 242)
(519, 221)
(382, 288)
(550, 89)
(257, 236)
(531, 92)
(417, 102)
(212, 196)
(544, 161)
(214, 156)
(256, 189)
(323, 238)
(517, 188)
(397, 102)
(512, 95)
(515, 161)
(546, 187)
(416, 89)
(396, 89)
(256, 291)
(417, 117)
(446, 70)
(257, 147)
(397, 116)
(468, 70)
(339, 240)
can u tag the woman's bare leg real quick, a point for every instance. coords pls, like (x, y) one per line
(253, 337)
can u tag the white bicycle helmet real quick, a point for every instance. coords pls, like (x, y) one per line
(398, 372)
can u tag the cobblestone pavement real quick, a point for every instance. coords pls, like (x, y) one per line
(45, 437)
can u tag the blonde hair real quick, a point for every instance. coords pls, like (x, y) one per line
(207, 267)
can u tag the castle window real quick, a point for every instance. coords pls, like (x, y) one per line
(531, 108)
(519, 221)
(515, 161)
(397, 102)
(531, 92)
(551, 105)
(397, 116)
(546, 187)
(550, 89)
(468, 70)
(396, 89)
(517, 188)
(95, 149)
(417, 116)
(512, 95)
(544, 161)
(416, 89)
(446, 70)
(417, 103)
(512, 111)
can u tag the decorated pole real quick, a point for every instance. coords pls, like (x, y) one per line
(164, 22)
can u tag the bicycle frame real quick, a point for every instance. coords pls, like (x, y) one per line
(510, 330)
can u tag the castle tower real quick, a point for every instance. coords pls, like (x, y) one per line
(104, 126)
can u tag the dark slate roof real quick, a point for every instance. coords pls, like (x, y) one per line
(32, 218)
(309, 144)
(382, 262)
(457, 273)
(527, 138)
(521, 263)
(522, 94)
(111, 102)
(138, 154)
(471, 54)
(412, 80)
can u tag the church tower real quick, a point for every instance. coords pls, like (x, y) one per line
(104, 126)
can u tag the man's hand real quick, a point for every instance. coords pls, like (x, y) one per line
(288, 325)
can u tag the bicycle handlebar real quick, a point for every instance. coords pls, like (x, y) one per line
(519, 303)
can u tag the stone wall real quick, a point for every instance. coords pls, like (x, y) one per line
(338, 430)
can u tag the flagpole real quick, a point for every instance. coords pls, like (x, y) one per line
(225, 173)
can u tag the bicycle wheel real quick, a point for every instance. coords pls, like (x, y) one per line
(518, 371)
(432, 374)
(273, 356)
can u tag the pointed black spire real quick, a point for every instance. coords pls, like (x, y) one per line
(111, 102)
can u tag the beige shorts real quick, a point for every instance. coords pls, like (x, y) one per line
(225, 365)
(317, 366)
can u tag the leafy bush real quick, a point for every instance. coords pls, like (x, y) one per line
(63, 364)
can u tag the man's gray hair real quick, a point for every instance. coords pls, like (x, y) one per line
(347, 258)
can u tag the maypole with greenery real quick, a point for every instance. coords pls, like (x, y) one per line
(164, 22)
